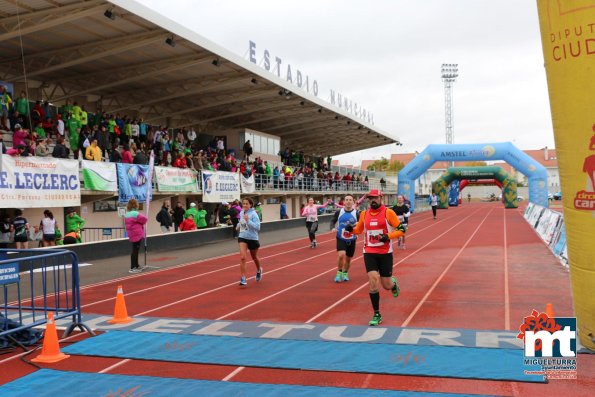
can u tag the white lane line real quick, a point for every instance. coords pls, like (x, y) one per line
(426, 296)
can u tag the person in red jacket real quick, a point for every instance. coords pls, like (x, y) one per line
(379, 225)
(135, 228)
(188, 224)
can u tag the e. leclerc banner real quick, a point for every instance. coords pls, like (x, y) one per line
(99, 175)
(172, 179)
(568, 40)
(219, 186)
(132, 182)
(39, 182)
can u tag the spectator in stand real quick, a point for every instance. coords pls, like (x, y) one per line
(74, 131)
(20, 228)
(60, 150)
(166, 148)
(247, 150)
(191, 135)
(93, 152)
(19, 151)
(22, 106)
(220, 144)
(48, 126)
(37, 114)
(188, 224)
(5, 104)
(42, 150)
(142, 131)
(19, 136)
(60, 126)
(39, 130)
(224, 213)
(103, 141)
(164, 218)
(178, 215)
(48, 227)
(180, 161)
(141, 157)
(115, 156)
(127, 155)
(84, 117)
(135, 228)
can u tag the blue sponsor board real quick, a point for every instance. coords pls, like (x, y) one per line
(9, 273)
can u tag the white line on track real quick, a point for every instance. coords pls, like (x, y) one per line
(425, 298)
(340, 301)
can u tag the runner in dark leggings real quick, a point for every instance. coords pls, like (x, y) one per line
(310, 211)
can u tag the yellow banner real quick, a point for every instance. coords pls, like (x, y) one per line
(568, 39)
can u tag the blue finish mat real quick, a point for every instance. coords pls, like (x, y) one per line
(441, 361)
(47, 382)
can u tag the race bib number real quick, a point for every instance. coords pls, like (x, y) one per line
(401, 218)
(311, 218)
(345, 235)
(243, 226)
(373, 238)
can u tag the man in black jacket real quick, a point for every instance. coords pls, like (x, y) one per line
(178, 215)
(164, 218)
(60, 151)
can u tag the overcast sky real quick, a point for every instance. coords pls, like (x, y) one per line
(386, 56)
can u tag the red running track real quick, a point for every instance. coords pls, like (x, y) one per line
(478, 266)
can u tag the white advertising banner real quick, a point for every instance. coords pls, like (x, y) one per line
(248, 184)
(100, 175)
(39, 182)
(219, 186)
(172, 179)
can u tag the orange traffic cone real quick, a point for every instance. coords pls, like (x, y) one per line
(50, 352)
(549, 310)
(120, 312)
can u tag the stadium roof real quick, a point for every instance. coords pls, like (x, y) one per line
(118, 53)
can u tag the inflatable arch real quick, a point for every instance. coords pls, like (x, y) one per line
(508, 184)
(535, 172)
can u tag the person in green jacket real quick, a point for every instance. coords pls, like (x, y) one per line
(192, 211)
(258, 210)
(201, 218)
(74, 223)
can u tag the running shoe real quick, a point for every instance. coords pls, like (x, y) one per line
(376, 320)
(345, 276)
(259, 274)
(338, 277)
(395, 290)
(243, 281)
(314, 244)
(399, 242)
(135, 270)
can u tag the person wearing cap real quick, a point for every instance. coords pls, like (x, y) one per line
(74, 223)
(310, 212)
(248, 227)
(192, 211)
(379, 225)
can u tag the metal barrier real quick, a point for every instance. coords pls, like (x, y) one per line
(89, 234)
(35, 282)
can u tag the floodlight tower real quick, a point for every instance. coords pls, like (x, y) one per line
(450, 71)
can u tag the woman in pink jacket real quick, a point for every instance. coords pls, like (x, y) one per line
(135, 222)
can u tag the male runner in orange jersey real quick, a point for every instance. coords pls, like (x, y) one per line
(379, 225)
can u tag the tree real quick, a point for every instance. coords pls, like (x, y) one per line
(384, 165)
